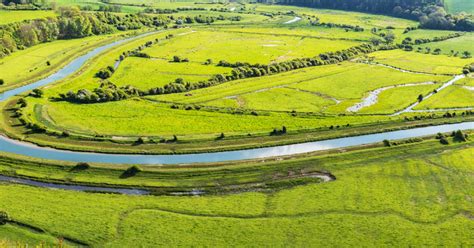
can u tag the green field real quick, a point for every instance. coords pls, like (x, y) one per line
(460, 95)
(456, 6)
(412, 190)
(27, 65)
(255, 76)
(21, 15)
(421, 62)
(460, 44)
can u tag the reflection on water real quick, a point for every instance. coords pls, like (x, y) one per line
(27, 149)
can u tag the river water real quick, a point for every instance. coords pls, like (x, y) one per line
(28, 149)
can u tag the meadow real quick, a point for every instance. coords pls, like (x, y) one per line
(415, 192)
(460, 44)
(31, 64)
(200, 45)
(411, 190)
(460, 95)
(422, 62)
(21, 15)
(457, 6)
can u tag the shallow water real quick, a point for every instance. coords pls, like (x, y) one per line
(125, 191)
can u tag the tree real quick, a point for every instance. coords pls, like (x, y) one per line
(389, 37)
(2, 82)
(130, 172)
(437, 51)
(37, 93)
(466, 54)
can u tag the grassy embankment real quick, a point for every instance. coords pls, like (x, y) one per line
(422, 191)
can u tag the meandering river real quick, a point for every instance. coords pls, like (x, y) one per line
(28, 149)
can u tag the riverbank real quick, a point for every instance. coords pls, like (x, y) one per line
(236, 176)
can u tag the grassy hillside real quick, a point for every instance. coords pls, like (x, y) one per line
(457, 6)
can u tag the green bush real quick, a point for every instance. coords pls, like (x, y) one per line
(4, 218)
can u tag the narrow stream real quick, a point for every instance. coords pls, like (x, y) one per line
(124, 191)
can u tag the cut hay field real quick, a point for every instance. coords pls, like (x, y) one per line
(399, 195)
(21, 15)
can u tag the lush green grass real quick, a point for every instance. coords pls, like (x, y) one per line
(27, 65)
(342, 17)
(457, 6)
(21, 15)
(201, 45)
(395, 99)
(460, 44)
(140, 117)
(16, 236)
(417, 194)
(422, 62)
(147, 73)
(456, 96)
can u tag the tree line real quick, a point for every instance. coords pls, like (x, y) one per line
(110, 92)
(71, 23)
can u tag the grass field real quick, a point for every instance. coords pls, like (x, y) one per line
(240, 47)
(460, 95)
(411, 190)
(30, 64)
(457, 6)
(422, 62)
(21, 15)
(460, 44)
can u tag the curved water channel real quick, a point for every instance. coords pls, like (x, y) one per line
(31, 150)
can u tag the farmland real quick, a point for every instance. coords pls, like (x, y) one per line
(289, 120)
(18, 16)
(417, 191)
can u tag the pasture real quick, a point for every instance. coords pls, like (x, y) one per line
(452, 46)
(30, 64)
(419, 189)
(457, 6)
(200, 45)
(421, 62)
(21, 15)
(459, 95)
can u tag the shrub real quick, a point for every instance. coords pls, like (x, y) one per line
(386, 143)
(140, 141)
(460, 136)
(444, 141)
(2, 82)
(37, 93)
(4, 218)
(81, 166)
(130, 172)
